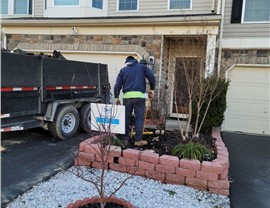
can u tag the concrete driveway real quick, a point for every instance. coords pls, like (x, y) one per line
(249, 169)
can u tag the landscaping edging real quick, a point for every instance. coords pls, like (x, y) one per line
(211, 176)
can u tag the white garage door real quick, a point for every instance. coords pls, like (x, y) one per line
(114, 61)
(248, 100)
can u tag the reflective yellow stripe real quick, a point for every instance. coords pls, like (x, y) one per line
(134, 94)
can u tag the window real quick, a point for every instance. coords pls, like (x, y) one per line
(256, 11)
(250, 11)
(4, 7)
(179, 4)
(97, 4)
(66, 2)
(10, 7)
(128, 5)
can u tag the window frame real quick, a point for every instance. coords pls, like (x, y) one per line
(248, 22)
(102, 6)
(79, 3)
(133, 10)
(169, 5)
(11, 9)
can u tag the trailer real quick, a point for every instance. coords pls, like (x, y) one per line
(38, 90)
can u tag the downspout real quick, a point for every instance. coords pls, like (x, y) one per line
(3, 39)
(213, 6)
(220, 35)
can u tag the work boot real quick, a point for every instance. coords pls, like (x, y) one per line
(140, 143)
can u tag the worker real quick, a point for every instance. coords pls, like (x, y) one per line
(131, 79)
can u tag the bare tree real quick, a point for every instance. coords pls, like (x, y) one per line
(103, 145)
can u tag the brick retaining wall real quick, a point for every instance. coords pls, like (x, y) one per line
(211, 176)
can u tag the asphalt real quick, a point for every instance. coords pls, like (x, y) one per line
(249, 171)
(30, 158)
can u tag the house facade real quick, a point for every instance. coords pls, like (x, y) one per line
(211, 32)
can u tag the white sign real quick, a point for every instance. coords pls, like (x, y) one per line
(108, 118)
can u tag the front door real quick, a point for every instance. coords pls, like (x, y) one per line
(187, 71)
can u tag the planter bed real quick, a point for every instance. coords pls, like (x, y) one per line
(211, 176)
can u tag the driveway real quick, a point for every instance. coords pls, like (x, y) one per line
(249, 169)
(30, 158)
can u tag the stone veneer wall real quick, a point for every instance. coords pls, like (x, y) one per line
(230, 57)
(211, 176)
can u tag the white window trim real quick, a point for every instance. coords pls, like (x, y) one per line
(91, 5)
(243, 16)
(169, 3)
(68, 6)
(11, 9)
(138, 6)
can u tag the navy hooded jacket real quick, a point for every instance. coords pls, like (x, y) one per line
(132, 78)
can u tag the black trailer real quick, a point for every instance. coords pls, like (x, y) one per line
(55, 94)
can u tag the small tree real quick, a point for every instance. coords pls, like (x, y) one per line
(103, 147)
(193, 84)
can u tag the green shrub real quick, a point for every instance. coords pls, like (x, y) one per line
(192, 150)
(215, 114)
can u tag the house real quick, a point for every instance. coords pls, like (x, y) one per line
(168, 33)
(245, 56)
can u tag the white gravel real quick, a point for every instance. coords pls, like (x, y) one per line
(65, 188)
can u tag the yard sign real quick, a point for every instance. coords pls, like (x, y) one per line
(108, 118)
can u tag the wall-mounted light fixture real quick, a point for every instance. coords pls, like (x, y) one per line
(74, 30)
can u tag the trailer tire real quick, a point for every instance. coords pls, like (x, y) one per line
(85, 116)
(66, 123)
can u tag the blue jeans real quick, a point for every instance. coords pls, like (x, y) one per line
(138, 105)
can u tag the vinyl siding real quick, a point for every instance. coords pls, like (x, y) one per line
(152, 7)
(38, 8)
(243, 30)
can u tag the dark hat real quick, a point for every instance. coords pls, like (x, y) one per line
(129, 58)
(143, 61)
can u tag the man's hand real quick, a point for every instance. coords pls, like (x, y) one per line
(117, 101)
(151, 94)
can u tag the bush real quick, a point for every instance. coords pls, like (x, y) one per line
(215, 114)
(192, 150)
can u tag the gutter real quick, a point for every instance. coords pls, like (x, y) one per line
(220, 36)
(139, 20)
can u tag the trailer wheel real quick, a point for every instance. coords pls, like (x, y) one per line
(85, 116)
(66, 123)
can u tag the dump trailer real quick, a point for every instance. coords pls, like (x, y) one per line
(38, 90)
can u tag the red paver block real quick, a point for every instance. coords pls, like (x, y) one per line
(146, 165)
(175, 178)
(197, 187)
(224, 175)
(82, 162)
(223, 157)
(165, 168)
(107, 159)
(190, 164)
(221, 148)
(88, 156)
(115, 151)
(126, 161)
(219, 184)
(219, 144)
(149, 157)
(223, 162)
(196, 182)
(155, 175)
(225, 192)
(211, 167)
(118, 167)
(98, 165)
(131, 154)
(222, 152)
(206, 176)
(93, 149)
(185, 172)
(136, 171)
(82, 146)
(169, 160)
